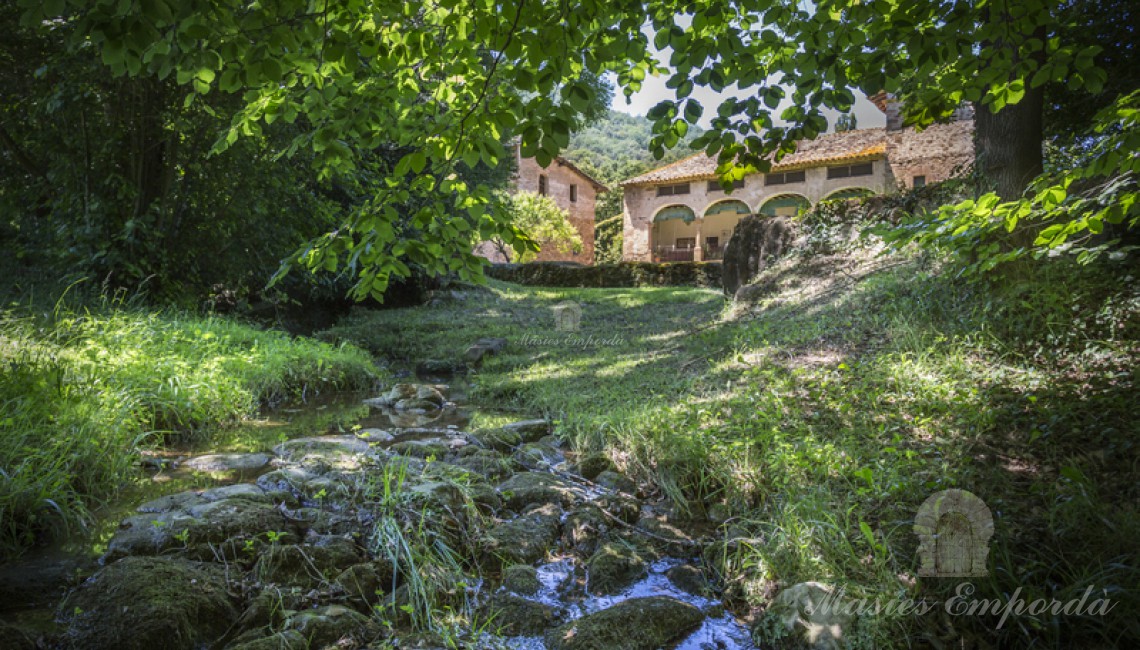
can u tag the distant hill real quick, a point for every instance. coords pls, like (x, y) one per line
(617, 147)
(611, 150)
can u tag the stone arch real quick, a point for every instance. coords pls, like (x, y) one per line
(675, 211)
(674, 233)
(844, 193)
(788, 204)
(954, 528)
(727, 206)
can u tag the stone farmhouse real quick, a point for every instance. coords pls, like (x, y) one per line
(680, 213)
(572, 189)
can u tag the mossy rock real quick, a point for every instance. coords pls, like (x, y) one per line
(144, 603)
(538, 455)
(524, 540)
(487, 463)
(584, 528)
(614, 481)
(529, 488)
(363, 584)
(498, 439)
(306, 565)
(591, 464)
(635, 624)
(197, 527)
(513, 615)
(521, 579)
(331, 624)
(614, 567)
(690, 580)
(529, 430)
(287, 640)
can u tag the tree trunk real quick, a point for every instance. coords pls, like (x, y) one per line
(1009, 145)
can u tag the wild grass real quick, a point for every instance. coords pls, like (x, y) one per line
(819, 419)
(83, 390)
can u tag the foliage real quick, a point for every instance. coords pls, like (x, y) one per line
(608, 237)
(821, 418)
(543, 222)
(83, 390)
(1072, 210)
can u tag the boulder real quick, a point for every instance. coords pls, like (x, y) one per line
(485, 462)
(524, 540)
(521, 579)
(800, 612)
(225, 463)
(287, 640)
(513, 615)
(756, 241)
(614, 481)
(614, 567)
(197, 526)
(584, 528)
(591, 464)
(527, 488)
(635, 624)
(538, 455)
(364, 584)
(498, 439)
(143, 603)
(483, 348)
(529, 430)
(689, 579)
(306, 565)
(333, 624)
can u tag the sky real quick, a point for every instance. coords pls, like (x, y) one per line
(653, 90)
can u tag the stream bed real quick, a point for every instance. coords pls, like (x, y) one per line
(270, 537)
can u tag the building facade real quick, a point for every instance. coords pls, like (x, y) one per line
(680, 212)
(571, 189)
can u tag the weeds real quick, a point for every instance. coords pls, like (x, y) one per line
(83, 390)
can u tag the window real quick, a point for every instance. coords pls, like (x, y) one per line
(847, 171)
(919, 181)
(714, 186)
(686, 242)
(573, 193)
(785, 178)
(672, 190)
(542, 184)
(712, 242)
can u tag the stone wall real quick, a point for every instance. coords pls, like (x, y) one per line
(559, 178)
(934, 153)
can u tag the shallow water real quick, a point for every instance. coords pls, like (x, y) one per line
(720, 630)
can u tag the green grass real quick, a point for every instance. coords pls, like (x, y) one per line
(82, 391)
(821, 418)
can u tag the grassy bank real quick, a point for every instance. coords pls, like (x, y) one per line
(815, 422)
(82, 390)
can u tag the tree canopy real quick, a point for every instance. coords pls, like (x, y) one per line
(412, 94)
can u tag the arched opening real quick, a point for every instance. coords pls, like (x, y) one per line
(720, 220)
(848, 193)
(784, 205)
(674, 234)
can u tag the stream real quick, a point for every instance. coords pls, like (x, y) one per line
(311, 451)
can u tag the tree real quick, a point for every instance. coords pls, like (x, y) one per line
(447, 81)
(542, 221)
(846, 122)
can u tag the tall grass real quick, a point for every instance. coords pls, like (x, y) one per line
(83, 390)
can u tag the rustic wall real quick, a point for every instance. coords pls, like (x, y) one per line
(936, 152)
(559, 178)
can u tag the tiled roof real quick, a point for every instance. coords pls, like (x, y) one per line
(853, 146)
